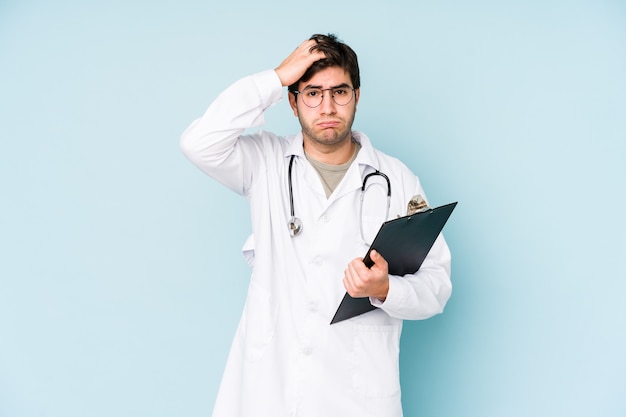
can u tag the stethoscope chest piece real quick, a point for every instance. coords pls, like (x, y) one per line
(295, 226)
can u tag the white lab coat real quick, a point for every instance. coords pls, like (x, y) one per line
(286, 359)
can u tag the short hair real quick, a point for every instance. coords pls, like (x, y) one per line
(337, 53)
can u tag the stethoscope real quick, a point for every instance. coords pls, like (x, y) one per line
(295, 224)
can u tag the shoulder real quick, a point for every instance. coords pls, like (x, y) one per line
(379, 159)
(392, 161)
(266, 144)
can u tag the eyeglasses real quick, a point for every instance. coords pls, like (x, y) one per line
(312, 97)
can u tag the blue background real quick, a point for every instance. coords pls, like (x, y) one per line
(121, 280)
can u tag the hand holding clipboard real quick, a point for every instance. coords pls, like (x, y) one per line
(404, 243)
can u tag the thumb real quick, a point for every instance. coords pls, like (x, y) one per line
(378, 259)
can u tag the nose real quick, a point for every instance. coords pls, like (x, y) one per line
(328, 105)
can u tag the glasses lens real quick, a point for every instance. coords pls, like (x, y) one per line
(312, 97)
(342, 95)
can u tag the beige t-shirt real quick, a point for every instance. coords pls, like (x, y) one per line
(331, 175)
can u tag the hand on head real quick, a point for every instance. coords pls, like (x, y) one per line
(296, 64)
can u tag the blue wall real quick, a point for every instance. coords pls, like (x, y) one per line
(121, 281)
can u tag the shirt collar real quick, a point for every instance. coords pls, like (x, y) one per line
(295, 147)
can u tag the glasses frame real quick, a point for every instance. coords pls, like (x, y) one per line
(332, 94)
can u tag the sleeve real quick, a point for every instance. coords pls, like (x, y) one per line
(213, 143)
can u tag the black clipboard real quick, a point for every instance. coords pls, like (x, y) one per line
(404, 243)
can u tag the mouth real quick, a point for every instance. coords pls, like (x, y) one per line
(328, 124)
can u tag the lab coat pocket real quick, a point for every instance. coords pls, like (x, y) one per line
(259, 321)
(376, 355)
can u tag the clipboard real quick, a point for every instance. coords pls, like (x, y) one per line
(404, 243)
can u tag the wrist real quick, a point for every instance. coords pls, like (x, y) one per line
(382, 295)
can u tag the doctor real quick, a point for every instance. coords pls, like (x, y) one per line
(310, 230)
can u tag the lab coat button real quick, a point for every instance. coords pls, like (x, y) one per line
(307, 351)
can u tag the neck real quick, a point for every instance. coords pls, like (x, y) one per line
(335, 154)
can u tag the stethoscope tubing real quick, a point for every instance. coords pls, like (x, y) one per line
(295, 224)
(291, 186)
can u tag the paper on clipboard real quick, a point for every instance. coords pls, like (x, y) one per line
(404, 243)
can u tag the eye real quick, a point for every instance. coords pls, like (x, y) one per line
(312, 93)
(340, 91)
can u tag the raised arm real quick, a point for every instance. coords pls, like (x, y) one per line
(213, 143)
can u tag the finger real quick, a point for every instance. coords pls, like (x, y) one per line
(378, 259)
(348, 282)
(356, 271)
(357, 268)
(353, 272)
(309, 50)
(314, 49)
(296, 64)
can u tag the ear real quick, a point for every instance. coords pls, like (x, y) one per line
(357, 94)
(293, 103)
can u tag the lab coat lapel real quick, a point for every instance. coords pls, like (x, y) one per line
(350, 183)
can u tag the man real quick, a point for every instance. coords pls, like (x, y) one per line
(310, 229)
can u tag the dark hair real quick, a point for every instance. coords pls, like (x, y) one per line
(338, 54)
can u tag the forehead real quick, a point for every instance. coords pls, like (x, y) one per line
(328, 77)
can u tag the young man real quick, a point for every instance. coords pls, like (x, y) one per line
(310, 230)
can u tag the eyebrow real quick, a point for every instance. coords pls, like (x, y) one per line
(343, 85)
